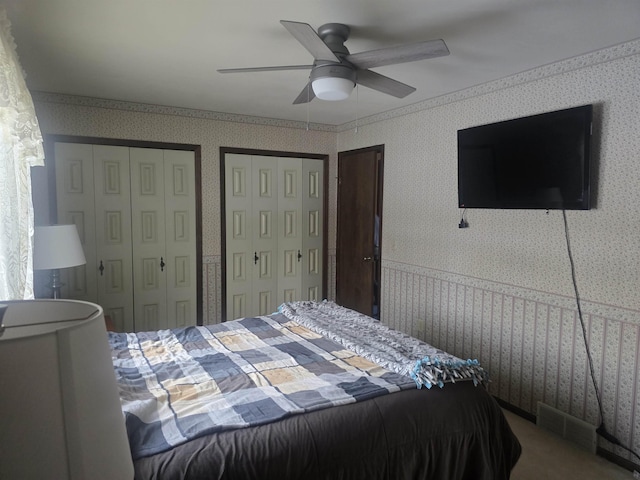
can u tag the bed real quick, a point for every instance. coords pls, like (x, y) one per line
(314, 391)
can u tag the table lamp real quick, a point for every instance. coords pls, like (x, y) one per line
(60, 414)
(56, 247)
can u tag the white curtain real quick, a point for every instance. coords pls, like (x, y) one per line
(20, 149)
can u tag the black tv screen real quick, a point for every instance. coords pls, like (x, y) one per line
(539, 161)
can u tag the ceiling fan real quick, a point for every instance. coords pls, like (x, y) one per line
(335, 71)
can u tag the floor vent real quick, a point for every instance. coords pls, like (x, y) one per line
(573, 429)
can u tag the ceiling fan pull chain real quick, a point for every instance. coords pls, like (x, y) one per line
(357, 105)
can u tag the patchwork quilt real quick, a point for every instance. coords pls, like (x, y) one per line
(176, 385)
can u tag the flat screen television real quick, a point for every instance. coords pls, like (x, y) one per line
(539, 161)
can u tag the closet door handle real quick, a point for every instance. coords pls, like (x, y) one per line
(299, 255)
(101, 268)
(255, 258)
(162, 264)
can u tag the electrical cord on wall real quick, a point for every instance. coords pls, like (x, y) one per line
(601, 430)
(463, 222)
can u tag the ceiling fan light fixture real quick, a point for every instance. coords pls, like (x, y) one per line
(333, 82)
(332, 89)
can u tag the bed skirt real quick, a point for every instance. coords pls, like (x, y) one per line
(455, 433)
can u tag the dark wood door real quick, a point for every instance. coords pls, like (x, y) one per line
(359, 229)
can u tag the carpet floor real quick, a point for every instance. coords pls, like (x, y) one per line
(546, 456)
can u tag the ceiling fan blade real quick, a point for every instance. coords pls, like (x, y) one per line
(306, 95)
(398, 54)
(383, 84)
(265, 69)
(307, 36)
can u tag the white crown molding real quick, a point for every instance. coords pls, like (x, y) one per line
(583, 61)
(49, 97)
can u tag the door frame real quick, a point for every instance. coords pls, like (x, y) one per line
(379, 149)
(223, 212)
(49, 143)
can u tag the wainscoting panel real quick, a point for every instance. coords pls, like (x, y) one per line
(331, 274)
(212, 285)
(531, 343)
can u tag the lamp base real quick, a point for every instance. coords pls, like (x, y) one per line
(56, 284)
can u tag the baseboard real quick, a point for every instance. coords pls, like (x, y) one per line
(517, 410)
(618, 460)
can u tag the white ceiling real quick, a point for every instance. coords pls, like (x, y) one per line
(166, 52)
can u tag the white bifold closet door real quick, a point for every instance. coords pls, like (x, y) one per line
(274, 232)
(135, 213)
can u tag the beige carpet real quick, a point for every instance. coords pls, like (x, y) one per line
(546, 456)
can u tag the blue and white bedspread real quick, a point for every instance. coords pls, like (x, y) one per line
(176, 385)
(388, 348)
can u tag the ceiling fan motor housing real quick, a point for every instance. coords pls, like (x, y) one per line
(334, 35)
(334, 70)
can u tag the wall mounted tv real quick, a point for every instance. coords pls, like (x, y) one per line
(539, 161)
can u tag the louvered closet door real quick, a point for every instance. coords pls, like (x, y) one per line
(265, 234)
(135, 209)
(112, 190)
(163, 233)
(76, 205)
(180, 238)
(251, 202)
(274, 232)
(93, 192)
(290, 228)
(148, 238)
(312, 230)
(239, 236)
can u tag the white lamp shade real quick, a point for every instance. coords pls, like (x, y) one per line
(60, 411)
(57, 246)
(332, 88)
